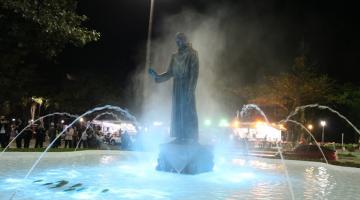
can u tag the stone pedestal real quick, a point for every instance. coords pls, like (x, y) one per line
(185, 158)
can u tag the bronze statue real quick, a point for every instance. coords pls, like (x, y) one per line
(184, 69)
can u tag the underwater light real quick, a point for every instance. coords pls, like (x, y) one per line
(207, 122)
(158, 123)
(223, 123)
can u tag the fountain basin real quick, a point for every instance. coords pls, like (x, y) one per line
(132, 175)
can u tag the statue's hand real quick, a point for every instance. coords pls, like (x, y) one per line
(153, 73)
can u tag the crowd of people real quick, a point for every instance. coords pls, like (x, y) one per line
(81, 135)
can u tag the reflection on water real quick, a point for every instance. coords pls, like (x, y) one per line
(318, 183)
(102, 176)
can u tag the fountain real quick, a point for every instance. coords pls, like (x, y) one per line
(131, 175)
(248, 107)
(33, 122)
(95, 118)
(183, 155)
(243, 113)
(322, 107)
(107, 107)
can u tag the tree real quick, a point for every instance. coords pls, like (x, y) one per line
(300, 86)
(348, 99)
(45, 26)
(286, 91)
(32, 34)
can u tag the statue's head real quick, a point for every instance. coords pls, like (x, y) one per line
(181, 40)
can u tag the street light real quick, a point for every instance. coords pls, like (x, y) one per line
(310, 127)
(323, 124)
(148, 43)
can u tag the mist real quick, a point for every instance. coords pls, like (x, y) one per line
(234, 49)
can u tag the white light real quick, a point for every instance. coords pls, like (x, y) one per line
(13, 119)
(223, 123)
(323, 123)
(231, 137)
(263, 131)
(207, 122)
(236, 124)
(310, 127)
(62, 121)
(157, 123)
(81, 119)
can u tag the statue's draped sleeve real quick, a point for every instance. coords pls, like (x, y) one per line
(166, 75)
(194, 72)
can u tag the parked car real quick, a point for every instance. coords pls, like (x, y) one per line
(311, 151)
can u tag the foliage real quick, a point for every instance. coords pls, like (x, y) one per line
(282, 93)
(42, 25)
(87, 91)
(289, 90)
(347, 155)
(32, 34)
(331, 146)
(351, 147)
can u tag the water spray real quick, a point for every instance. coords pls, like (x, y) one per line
(107, 107)
(322, 107)
(95, 118)
(32, 122)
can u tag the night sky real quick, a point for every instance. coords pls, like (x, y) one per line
(327, 32)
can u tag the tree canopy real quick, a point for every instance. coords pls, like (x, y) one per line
(286, 91)
(32, 34)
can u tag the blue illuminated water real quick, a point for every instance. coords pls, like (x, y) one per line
(131, 175)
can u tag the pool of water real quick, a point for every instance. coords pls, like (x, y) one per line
(131, 175)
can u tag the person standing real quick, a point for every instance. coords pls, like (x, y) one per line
(125, 140)
(69, 137)
(51, 133)
(40, 137)
(4, 132)
(18, 139)
(75, 137)
(27, 137)
(84, 138)
(59, 129)
(13, 133)
(34, 134)
(19, 126)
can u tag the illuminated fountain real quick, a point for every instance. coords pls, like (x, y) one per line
(131, 175)
(32, 122)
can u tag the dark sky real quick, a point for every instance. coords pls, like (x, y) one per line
(329, 30)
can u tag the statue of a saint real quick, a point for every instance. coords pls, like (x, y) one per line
(184, 69)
